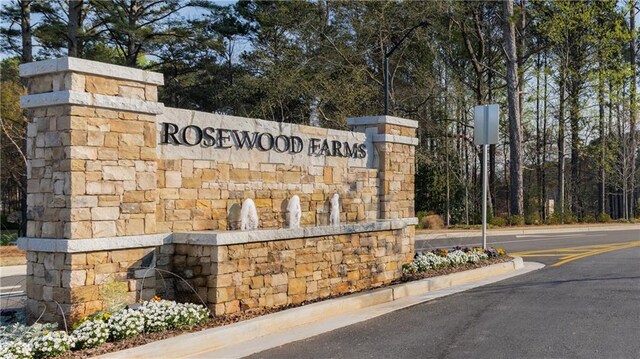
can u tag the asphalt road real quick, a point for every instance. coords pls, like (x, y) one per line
(586, 307)
(12, 286)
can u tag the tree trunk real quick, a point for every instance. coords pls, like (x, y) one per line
(544, 143)
(561, 89)
(538, 148)
(521, 58)
(633, 106)
(25, 29)
(574, 117)
(601, 127)
(75, 24)
(132, 55)
(492, 154)
(515, 129)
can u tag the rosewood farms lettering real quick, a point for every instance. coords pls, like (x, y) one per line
(193, 135)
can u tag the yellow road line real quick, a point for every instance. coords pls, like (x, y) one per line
(534, 255)
(570, 254)
(593, 253)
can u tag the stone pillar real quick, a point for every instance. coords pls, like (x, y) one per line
(395, 144)
(91, 193)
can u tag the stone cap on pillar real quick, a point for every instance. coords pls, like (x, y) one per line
(372, 121)
(74, 81)
(388, 129)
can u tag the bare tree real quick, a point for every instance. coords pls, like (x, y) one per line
(515, 126)
(633, 105)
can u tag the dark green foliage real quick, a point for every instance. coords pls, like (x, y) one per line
(515, 220)
(497, 221)
(319, 62)
(604, 218)
(5, 224)
(553, 219)
(532, 219)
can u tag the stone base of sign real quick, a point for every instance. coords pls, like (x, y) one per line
(68, 286)
(238, 277)
(229, 271)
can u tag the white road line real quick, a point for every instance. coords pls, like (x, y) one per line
(553, 235)
(10, 287)
(12, 294)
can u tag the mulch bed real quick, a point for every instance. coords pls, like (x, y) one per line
(218, 321)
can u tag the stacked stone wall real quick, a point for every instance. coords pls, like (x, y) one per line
(93, 170)
(270, 274)
(206, 195)
(202, 188)
(80, 284)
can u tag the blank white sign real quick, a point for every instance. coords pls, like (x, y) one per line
(486, 124)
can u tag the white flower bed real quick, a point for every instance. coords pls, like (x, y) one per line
(162, 315)
(91, 333)
(458, 258)
(15, 350)
(125, 324)
(443, 258)
(42, 341)
(51, 344)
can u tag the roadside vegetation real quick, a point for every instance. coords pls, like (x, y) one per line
(563, 72)
(430, 220)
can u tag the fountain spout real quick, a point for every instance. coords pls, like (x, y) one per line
(295, 212)
(248, 215)
(334, 219)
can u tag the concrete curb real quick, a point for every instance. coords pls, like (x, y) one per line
(217, 339)
(12, 270)
(495, 233)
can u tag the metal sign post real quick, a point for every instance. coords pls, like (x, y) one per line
(485, 133)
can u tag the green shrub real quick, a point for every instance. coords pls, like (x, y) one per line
(114, 294)
(498, 221)
(604, 218)
(588, 219)
(553, 219)
(8, 238)
(421, 215)
(516, 220)
(569, 218)
(532, 218)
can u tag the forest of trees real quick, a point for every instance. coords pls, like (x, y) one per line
(563, 72)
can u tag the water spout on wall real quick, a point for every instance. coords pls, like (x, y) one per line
(295, 212)
(334, 219)
(248, 215)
